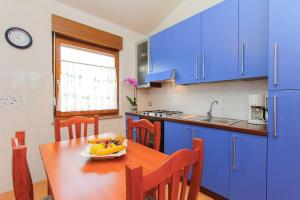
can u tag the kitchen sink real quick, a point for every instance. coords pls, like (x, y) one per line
(215, 120)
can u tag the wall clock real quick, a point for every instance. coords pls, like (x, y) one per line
(18, 38)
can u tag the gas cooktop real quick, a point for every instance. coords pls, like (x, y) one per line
(162, 113)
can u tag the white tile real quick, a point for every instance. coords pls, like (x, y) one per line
(13, 79)
(39, 118)
(196, 98)
(40, 81)
(41, 100)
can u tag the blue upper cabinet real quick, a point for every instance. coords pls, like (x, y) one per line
(216, 159)
(248, 155)
(187, 45)
(284, 45)
(220, 42)
(284, 144)
(162, 50)
(253, 38)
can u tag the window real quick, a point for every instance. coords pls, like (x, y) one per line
(86, 79)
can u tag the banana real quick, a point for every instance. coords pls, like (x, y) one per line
(110, 150)
(98, 140)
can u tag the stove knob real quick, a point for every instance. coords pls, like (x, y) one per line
(160, 115)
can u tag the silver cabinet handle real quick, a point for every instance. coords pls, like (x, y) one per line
(203, 66)
(234, 166)
(194, 132)
(275, 63)
(243, 59)
(197, 60)
(185, 136)
(275, 116)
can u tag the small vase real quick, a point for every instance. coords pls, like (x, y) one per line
(134, 108)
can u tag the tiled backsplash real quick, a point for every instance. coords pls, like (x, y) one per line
(196, 99)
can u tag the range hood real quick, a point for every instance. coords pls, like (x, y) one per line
(160, 77)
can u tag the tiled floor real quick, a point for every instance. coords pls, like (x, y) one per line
(40, 191)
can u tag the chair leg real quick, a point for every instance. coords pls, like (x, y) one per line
(49, 191)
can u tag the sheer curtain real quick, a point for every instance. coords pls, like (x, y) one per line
(86, 87)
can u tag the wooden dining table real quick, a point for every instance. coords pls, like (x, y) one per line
(73, 177)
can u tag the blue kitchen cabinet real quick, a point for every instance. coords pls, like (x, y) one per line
(284, 45)
(134, 118)
(176, 136)
(162, 50)
(248, 167)
(220, 42)
(178, 47)
(253, 38)
(284, 145)
(187, 44)
(216, 159)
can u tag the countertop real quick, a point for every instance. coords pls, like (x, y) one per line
(241, 126)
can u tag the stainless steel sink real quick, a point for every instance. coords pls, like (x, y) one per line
(215, 120)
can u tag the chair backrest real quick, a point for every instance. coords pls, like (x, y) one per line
(173, 173)
(144, 128)
(22, 181)
(77, 122)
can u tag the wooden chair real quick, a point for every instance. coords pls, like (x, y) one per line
(172, 173)
(143, 130)
(22, 182)
(77, 121)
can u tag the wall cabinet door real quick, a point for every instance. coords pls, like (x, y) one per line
(220, 42)
(253, 38)
(284, 145)
(216, 159)
(162, 49)
(176, 136)
(187, 43)
(134, 118)
(248, 167)
(284, 49)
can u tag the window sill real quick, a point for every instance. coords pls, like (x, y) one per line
(111, 117)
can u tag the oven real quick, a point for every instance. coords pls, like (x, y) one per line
(155, 119)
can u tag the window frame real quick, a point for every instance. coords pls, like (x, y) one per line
(63, 40)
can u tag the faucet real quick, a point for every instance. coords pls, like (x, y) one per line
(209, 113)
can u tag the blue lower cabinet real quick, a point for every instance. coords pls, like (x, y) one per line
(216, 159)
(134, 118)
(176, 136)
(248, 156)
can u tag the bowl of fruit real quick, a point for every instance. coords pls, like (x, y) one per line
(108, 147)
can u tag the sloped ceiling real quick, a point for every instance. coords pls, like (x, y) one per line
(141, 16)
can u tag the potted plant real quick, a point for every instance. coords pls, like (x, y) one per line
(133, 101)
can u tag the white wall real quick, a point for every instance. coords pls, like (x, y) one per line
(196, 99)
(185, 10)
(26, 75)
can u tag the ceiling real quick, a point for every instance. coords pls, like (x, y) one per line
(141, 16)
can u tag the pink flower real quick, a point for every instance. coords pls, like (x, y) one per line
(131, 81)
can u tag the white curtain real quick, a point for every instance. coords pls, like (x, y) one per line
(85, 87)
